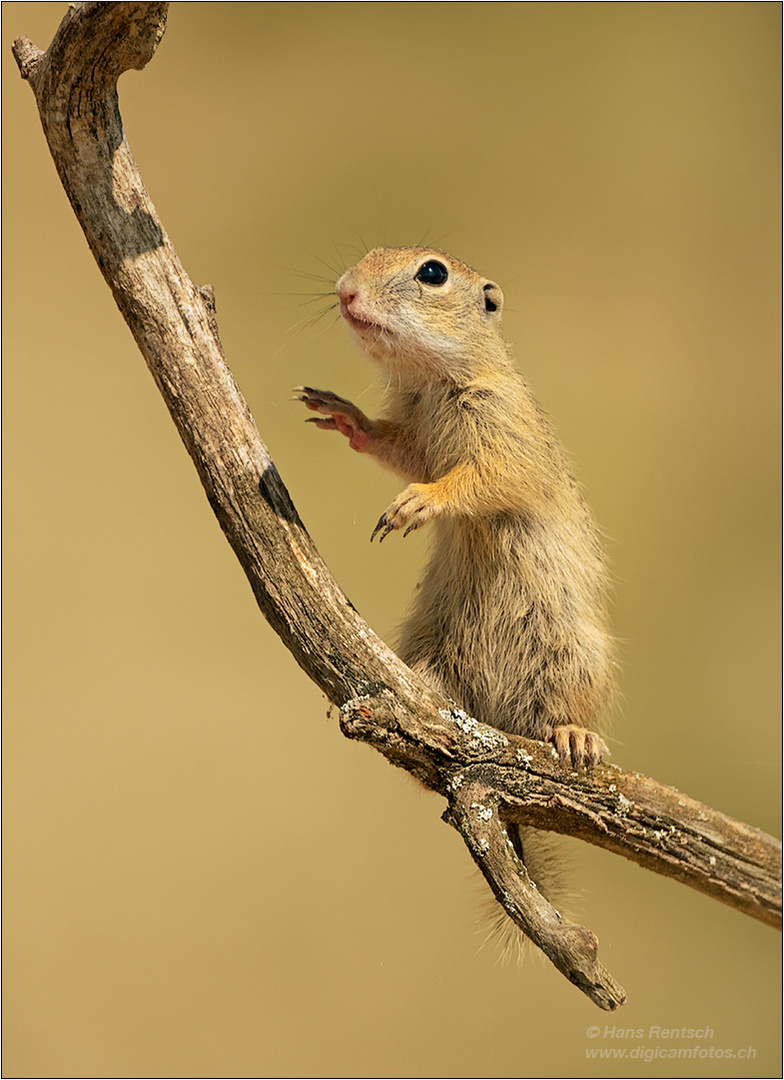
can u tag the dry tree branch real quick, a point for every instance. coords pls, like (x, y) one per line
(488, 778)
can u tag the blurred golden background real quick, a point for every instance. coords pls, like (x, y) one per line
(203, 878)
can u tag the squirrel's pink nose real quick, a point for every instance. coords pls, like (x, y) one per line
(346, 289)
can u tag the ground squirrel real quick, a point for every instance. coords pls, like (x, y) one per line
(510, 618)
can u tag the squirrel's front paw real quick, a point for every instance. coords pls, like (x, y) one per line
(408, 511)
(337, 414)
(582, 746)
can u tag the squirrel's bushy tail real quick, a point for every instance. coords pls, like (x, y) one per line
(546, 861)
(545, 857)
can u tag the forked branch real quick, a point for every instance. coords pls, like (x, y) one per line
(488, 778)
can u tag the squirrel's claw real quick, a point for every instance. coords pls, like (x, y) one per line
(408, 511)
(383, 527)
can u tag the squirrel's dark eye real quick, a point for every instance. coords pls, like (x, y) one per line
(432, 273)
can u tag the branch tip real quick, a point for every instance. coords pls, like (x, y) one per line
(27, 55)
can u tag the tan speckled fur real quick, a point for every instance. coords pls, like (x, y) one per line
(510, 618)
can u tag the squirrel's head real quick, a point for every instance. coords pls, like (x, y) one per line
(421, 313)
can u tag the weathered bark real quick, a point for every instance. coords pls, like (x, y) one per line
(488, 778)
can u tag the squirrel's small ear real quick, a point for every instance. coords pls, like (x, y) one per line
(493, 298)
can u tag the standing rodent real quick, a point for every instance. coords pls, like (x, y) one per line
(510, 618)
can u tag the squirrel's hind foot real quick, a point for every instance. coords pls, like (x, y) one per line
(577, 744)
